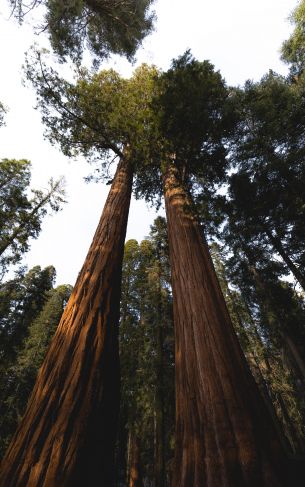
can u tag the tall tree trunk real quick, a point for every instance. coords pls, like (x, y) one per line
(297, 356)
(224, 435)
(277, 244)
(67, 435)
(121, 451)
(269, 399)
(262, 289)
(135, 476)
(289, 429)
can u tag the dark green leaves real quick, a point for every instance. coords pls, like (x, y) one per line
(293, 50)
(2, 113)
(101, 26)
(192, 112)
(21, 213)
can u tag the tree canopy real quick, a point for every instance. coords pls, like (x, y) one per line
(192, 107)
(104, 27)
(99, 115)
(293, 49)
(2, 114)
(22, 209)
(184, 112)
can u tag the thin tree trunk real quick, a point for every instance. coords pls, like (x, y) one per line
(277, 244)
(290, 342)
(66, 438)
(135, 477)
(160, 434)
(269, 399)
(295, 352)
(253, 361)
(288, 427)
(224, 435)
(121, 451)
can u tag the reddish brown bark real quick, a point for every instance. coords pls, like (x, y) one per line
(224, 435)
(66, 437)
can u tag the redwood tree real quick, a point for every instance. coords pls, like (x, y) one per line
(67, 435)
(224, 434)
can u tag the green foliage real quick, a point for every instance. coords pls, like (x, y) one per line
(18, 379)
(103, 27)
(2, 113)
(145, 307)
(21, 301)
(100, 115)
(293, 50)
(22, 298)
(182, 114)
(21, 214)
(266, 191)
(194, 117)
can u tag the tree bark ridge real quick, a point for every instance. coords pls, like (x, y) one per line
(224, 435)
(67, 435)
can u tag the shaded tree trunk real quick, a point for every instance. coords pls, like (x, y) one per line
(160, 433)
(295, 353)
(277, 244)
(224, 435)
(135, 476)
(292, 341)
(121, 451)
(67, 435)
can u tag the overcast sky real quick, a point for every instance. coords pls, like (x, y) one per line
(241, 38)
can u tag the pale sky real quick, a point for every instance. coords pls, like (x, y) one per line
(242, 38)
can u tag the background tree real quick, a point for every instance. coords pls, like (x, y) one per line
(22, 299)
(2, 113)
(293, 48)
(267, 187)
(40, 315)
(117, 27)
(21, 212)
(146, 342)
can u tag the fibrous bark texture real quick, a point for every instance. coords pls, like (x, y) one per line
(224, 435)
(66, 438)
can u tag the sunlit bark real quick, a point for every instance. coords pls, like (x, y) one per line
(224, 435)
(66, 437)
